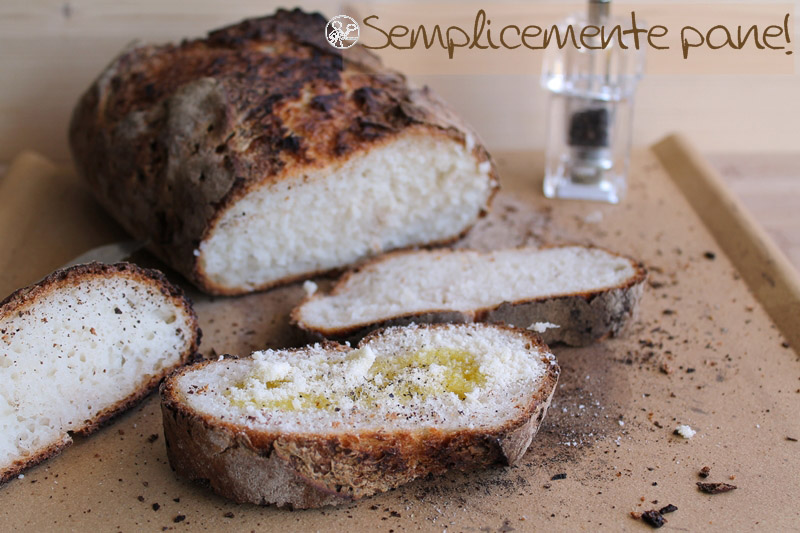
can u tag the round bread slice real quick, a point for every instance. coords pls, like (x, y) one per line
(328, 423)
(570, 294)
(81, 346)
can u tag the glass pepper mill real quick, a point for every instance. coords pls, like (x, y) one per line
(590, 114)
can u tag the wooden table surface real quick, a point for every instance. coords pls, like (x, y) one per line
(769, 187)
(767, 184)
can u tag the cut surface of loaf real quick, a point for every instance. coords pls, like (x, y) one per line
(418, 186)
(329, 423)
(79, 347)
(587, 292)
(262, 154)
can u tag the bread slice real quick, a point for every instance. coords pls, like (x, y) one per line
(589, 293)
(329, 423)
(79, 347)
(261, 154)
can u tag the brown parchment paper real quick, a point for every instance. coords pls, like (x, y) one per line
(704, 353)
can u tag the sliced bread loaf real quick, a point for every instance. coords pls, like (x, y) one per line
(588, 293)
(262, 154)
(329, 423)
(79, 347)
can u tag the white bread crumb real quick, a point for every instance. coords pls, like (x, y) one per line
(310, 287)
(541, 327)
(685, 431)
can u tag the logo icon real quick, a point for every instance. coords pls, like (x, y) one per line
(342, 32)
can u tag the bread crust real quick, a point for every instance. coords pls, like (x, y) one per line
(583, 317)
(170, 137)
(311, 470)
(19, 302)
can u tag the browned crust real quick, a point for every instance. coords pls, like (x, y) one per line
(20, 300)
(311, 470)
(169, 137)
(583, 317)
(19, 466)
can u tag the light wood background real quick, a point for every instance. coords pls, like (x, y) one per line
(50, 50)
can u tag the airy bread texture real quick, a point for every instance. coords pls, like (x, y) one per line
(588, 293)
(79, 347)
(385, 198)
(329, 423)
(261, 154)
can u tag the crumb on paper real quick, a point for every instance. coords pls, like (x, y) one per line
(21, 476)
(594, 217)
(685, 431)
(541, 327)
(704, 472)
(310, 287)
(653, 519)
(715, 488)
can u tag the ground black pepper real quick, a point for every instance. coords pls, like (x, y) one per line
(589, 128)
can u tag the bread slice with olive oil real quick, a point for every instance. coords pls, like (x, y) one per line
(330, 423)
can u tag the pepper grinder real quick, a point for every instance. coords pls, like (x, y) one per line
(590, 114)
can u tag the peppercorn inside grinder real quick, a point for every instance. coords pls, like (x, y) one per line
(590, 114)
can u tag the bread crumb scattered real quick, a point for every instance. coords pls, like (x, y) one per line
(310, 287)
(653, 519)
(541, 327)
(715, 488)
(685, 431)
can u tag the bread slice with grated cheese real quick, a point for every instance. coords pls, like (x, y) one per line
(79, 347)
(576, 294)
(328, 423)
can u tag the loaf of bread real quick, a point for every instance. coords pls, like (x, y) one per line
(79, 347)
(577, 294)
(328, 423)
(261, 154)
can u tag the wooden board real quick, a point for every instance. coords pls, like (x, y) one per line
(704, 352)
